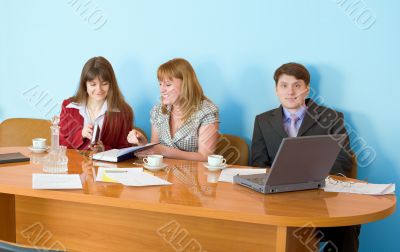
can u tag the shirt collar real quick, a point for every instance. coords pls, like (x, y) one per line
(299, 113)
(75, 105)
(80, 106)
(103, 109)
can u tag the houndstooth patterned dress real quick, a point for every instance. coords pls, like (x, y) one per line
(186, 137)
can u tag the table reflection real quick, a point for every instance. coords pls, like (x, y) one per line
(188, 187)
(291, 202)
(91, 186)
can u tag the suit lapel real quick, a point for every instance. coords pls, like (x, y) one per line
(276, 121)
(310, 118)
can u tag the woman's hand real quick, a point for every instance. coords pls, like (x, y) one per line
(98, 147)
(136, 137)
(87, 131)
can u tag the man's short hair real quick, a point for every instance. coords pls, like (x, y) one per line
(294, 69)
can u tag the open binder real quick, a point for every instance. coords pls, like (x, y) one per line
(118, 155)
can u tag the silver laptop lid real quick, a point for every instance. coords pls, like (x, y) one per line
(304, 159)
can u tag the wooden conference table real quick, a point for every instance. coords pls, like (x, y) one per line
(192, 214)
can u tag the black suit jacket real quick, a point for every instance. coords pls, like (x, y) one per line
(269, 132)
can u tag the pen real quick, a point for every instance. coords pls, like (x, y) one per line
(115, 171)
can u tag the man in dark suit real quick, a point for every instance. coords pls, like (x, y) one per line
(299, 116)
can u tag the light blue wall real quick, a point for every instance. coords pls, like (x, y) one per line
(352, 52)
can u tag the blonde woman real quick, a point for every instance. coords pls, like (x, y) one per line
(185, 122)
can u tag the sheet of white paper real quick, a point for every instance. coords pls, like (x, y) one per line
(114, 172)
(56, 181)
(228, 174)
(143, 179)
(129, 177)
(360, 188)
(105, 164)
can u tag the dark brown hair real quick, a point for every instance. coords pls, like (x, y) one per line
(100, 67)
(294, 69)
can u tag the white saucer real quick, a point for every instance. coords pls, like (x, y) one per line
(155, 168)
(215, 168)
(35, 150)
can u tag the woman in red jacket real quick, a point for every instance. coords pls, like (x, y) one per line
(98, 101)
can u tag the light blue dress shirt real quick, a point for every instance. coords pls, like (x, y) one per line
(286, 118)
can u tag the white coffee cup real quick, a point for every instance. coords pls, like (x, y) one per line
(39, 143)
(153, 160)
(216, 160)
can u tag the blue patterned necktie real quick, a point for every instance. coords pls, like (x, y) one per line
(292, 131)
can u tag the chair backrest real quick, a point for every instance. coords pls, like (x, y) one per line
(234, 149)
(13, 247)
(21, 131)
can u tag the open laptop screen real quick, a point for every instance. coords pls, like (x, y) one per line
(304, 159)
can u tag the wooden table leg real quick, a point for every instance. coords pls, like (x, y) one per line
(7, 217)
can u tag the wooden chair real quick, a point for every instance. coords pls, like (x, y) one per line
(13, 247)
(21, 131)
(234, 149)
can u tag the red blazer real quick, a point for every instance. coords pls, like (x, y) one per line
(113, 137)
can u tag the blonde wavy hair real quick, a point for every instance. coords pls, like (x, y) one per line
(191, 94)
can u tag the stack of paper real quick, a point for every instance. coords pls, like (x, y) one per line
(129, 177)
(228, 174)
(56, 181)
(359, 188)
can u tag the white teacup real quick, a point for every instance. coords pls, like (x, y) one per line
(153, 160)
(39, 143)
(216, 160)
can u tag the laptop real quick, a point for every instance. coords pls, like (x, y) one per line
(301, 163)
